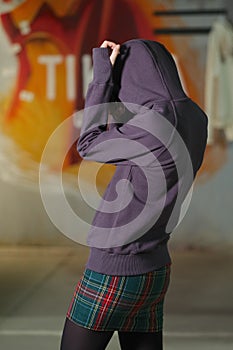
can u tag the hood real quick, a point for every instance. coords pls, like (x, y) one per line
(145, 73)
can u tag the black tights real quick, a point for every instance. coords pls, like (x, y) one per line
(80, 338)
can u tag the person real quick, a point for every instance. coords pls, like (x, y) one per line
(157, 142)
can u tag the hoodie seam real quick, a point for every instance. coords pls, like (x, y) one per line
(181, 99)
(169, 101)
(172, 99)
(166, 87)
(159, 70)
(101, 83)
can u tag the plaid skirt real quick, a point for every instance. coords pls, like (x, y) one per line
(120, 303)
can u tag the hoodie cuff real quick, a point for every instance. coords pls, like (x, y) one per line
(102, 67)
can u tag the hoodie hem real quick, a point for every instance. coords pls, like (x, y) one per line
(131, 264)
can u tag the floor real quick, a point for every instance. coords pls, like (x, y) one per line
(37, 284)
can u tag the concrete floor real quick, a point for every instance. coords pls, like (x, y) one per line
(37, 285)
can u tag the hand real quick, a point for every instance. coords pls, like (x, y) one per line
(115, 50)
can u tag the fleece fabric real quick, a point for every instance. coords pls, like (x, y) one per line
(156, 137)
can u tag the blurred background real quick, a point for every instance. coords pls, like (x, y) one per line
(45, 68)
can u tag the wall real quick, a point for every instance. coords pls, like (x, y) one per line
(45, 74)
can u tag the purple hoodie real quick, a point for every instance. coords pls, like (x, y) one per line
(156, 139)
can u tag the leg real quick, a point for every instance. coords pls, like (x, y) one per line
(141, 340)
(75, 337)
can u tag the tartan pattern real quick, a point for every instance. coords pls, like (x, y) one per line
(121, 303)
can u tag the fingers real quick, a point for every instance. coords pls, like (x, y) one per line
(115, 50)
(110, 44)
(114, 54)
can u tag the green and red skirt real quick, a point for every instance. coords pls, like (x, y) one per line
(120, 303)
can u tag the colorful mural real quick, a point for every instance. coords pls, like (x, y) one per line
(51, 42)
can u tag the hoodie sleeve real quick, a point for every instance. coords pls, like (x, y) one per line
(118, 144)
(100, 89)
